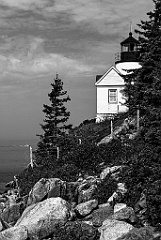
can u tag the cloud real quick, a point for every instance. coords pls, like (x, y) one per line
(46, 65)
(23, 4)
(102, 16)
(74, 36)
(27, 57)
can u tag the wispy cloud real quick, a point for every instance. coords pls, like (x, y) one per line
(24, 4)
(98, 14)
(26, 56)
(73, 36)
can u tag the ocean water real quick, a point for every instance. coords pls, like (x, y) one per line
(14, 157)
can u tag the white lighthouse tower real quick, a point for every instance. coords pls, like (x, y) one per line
(128, 58)
(109, 95)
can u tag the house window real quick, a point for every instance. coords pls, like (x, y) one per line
(112, 95)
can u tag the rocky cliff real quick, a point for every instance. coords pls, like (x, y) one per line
(60, 210)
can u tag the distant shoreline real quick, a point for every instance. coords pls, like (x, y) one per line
(14, 158)
(5, 177)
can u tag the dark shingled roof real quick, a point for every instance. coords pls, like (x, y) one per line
(98, 77)
(130, 39)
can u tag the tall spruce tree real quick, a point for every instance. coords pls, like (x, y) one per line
(56, 116)
(146, 91)
(144, 173)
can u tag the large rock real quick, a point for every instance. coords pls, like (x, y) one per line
(125, 214)
(4, 224)
(14, 233)
(114, 229)
(2, 207)
(3, 202)
(109, 170)
(121, 188)
(46, 188)
(12, 213)
(141, 209)
(119, 206)
(1, 226)
(116, 197)
(87, 189)
(8, 199)
(76, 230)
(43, 218)
(98, 216)
(143, 233)
(11, 197)
(86, 208)
(88, 194)
(118, 194)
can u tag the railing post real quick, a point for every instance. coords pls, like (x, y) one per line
(57, 152)
(111, 128)
(31, 157)
(111, 120)
(138, 118)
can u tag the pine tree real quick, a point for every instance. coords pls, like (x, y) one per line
(56, 116)
(146, 91)
(145, 94)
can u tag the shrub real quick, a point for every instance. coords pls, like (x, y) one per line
(105, 189)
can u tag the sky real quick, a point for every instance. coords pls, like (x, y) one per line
(77, 39)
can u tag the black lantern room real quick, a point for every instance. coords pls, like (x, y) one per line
(129, 50)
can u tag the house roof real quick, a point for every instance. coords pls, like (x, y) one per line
(111, 77)
(98, 77)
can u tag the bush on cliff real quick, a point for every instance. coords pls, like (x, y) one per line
(75, 158)
(143, 175)
(105, 189)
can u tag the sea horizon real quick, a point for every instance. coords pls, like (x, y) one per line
(14, 157)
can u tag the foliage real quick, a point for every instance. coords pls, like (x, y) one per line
(75, 158)
(146, 91)
(105, 189)
(142, 176)
(145, 94)
(27, 179)
(153, 202)
(56, 116)
(96, 132)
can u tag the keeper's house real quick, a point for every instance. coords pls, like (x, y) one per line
(110, 99)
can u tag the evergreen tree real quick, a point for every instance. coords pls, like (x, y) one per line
(56, 116)
(145, 94)
(146, 91)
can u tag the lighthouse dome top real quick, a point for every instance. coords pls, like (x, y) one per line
(129, 40)
(129, 56)
(130, 50)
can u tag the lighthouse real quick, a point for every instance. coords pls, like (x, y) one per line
(109, 95)
(128, 58)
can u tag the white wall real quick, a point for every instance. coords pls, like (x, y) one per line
(103, 106)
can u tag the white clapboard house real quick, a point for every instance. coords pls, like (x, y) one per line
(109, 97)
